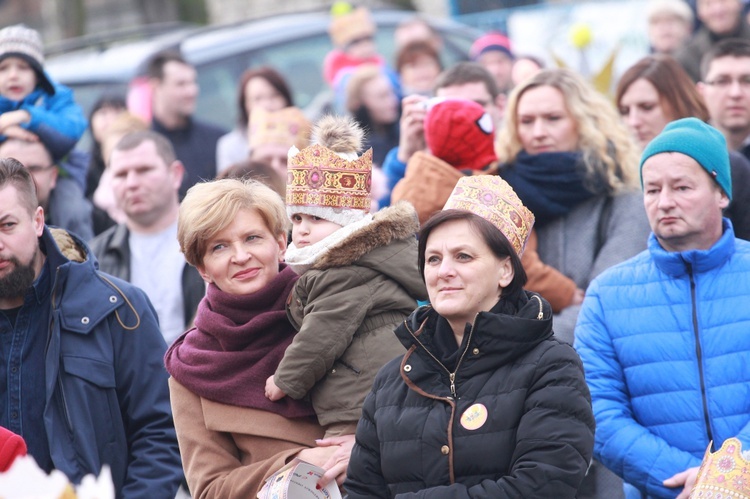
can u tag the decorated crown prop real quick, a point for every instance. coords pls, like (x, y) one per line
(725, 474)
(351, 25)
(491, 198)
(286, 127)
(317, 176)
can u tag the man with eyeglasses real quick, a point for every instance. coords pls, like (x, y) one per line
(725, 86)
(60, 196)
(721, 20)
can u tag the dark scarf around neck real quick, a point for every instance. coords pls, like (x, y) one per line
(550, 184)
(237, 343)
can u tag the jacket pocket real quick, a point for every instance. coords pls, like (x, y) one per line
(341, 363)
(90, 398)
(93, 371)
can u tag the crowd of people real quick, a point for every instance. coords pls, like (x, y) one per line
(481, 280)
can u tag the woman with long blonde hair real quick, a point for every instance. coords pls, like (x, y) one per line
(573, 163)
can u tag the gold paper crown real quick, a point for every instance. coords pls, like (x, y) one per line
(286, 127)
(347, 27)
(491, 198)
(723, 474)
(317, 176)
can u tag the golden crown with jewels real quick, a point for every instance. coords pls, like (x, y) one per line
(317, 176)
(493, 199)
(724, 474)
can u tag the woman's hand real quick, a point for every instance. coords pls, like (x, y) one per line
(273, 392)
(578, 296)
(317, 456)
(338, 462)
(411, 138)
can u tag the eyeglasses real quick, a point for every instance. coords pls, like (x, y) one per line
(724, 82)
(38, 168)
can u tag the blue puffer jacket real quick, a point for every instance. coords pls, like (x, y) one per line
(665, 342)
(107, 394)
(56, 119)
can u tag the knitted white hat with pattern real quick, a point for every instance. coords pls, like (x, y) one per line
(25, 43)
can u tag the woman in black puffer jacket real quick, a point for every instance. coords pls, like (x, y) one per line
(485, 403)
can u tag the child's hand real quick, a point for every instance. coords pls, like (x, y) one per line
(273, 392)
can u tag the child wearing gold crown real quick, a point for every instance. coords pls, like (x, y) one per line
(352, 33)
(358, 277)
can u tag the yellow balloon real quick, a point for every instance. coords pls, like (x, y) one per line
(341, 8)
(580, 35)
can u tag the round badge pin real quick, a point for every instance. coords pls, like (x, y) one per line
(474, 417)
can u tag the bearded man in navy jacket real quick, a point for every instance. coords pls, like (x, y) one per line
(81, 373)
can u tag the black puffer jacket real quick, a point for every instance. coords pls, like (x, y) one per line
(516, 421)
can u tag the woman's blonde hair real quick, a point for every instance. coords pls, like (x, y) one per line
(209, 207)
(608, 150)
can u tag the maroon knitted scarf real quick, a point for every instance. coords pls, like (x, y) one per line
(236, 344)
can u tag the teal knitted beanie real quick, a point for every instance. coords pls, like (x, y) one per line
(705, 144)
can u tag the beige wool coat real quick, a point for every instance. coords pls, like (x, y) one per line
(228, 451)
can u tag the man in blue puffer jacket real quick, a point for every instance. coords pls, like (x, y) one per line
(664, 336)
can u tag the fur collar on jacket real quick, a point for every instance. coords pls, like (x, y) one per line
(69, 248)
(387, 225)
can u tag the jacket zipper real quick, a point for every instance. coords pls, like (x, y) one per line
(65, 405)
(699, 354)
(53, 298)
(540, 315)
(64, 400)
(451, 375)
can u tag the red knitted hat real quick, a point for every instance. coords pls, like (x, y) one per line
(11, 446)
(490, 41)
(461, 133)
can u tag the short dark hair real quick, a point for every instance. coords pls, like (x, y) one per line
(273, 77)
(495, 240)
(729, 47)
(12, 172)
(256, 170)
(411, 51)
(155, 68)
(468, 72)
(163, 146)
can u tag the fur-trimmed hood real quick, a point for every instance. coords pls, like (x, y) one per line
(68, 246)
(390, 224)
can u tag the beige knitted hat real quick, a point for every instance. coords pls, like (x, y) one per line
(25, 43)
